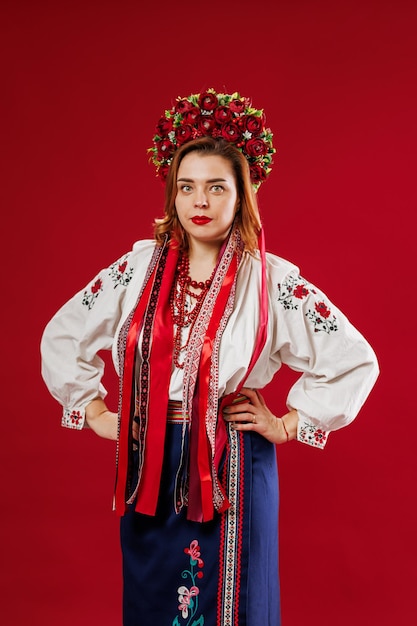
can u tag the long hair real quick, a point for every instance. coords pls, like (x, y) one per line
(247, 217)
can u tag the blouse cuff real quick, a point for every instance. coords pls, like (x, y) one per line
(309, 433)
(72, 418)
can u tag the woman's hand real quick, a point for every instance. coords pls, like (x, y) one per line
(102, 421)
(253, 415)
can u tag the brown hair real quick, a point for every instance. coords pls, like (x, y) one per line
(247, 218)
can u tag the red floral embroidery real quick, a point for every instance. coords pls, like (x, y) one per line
(75, 418)
(322, 309)
(120, 273)
(90, 296)
(295, 289)
(320, 436)
(97, 286)
(301, 292)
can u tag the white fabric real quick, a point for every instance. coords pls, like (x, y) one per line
(306, 332)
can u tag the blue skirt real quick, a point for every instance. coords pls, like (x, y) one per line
(219, 573)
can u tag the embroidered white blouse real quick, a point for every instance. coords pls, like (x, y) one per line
(305, 331)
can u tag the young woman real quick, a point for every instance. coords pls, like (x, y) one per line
(199, 320)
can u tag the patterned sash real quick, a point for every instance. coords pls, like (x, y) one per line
(197, 484)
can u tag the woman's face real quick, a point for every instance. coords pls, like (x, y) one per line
(206, 198)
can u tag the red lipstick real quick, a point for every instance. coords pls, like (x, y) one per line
(200, 220)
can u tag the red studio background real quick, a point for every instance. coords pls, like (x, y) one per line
(83, 84)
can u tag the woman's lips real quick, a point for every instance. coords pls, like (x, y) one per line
(200, 220)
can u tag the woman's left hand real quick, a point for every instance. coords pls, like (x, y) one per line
(253, 415)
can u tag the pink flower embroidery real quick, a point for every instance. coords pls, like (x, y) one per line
(300, 292)
(185, 596)
(322, 309)
(194, 552)
(97, 286)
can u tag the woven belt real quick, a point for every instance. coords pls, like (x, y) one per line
(174, 415)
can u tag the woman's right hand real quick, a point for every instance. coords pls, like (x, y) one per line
(102, 421)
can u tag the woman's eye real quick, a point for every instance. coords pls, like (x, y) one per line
(217, 188)
(186, 188)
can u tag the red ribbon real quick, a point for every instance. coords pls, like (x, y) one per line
(221, 432)
(200, 504)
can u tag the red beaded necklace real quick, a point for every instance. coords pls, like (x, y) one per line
(183, 313)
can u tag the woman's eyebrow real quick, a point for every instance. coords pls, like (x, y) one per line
(210, 180)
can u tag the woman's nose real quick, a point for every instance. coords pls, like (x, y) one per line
(201, 204)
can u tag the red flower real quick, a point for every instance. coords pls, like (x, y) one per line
(75, 417)
(163, 171)
(222, 115)
(183, 106)
(208, 101)
(256, 147)
(231, 132)
(122, 267)
(237, 106)
(254, 124)
(206, 124)
(191, 115)
(194, 552)
(322, 309)
(300, 292)
(97, 286)
(257, 174)
(165, 149)
(183, 133)
(164, 126)
(320, 435)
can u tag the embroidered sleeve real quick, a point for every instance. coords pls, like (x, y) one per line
(338, 367)
(86, 324)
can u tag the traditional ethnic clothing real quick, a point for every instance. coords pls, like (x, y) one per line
(200, 501)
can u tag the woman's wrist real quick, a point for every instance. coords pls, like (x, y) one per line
(290, 423)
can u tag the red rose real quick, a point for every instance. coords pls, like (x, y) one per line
(222, 115)
(206, 124)
(183, 133)
(97, 286)
(191, 115)
(164, 126)
(254, 124)
(122, 267)
(257, 174)
(237, 106)
(231, 132)
(163, 171)
(256, 147)
(322, 309)
(300, 292)
(164, 148)
(208, 101)
(183, 106)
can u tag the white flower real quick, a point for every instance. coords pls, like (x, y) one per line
(247, 135)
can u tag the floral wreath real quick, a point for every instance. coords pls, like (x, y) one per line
(230, 117)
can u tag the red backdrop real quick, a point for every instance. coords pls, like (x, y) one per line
(83, 86)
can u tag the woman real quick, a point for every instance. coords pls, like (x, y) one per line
(199, 320)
